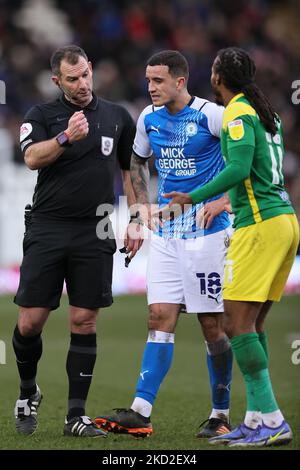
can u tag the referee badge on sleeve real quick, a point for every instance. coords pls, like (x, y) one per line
(25, 130)
(107, 144)
(236, 129)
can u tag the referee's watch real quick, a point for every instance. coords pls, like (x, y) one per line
(63, 139)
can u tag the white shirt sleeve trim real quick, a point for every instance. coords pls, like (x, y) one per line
(141, 144)
(214, 114)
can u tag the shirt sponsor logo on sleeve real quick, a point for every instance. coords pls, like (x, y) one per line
(25, 130)
(107, 144)
(236, 129)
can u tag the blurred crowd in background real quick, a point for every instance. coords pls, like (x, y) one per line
(119, 36)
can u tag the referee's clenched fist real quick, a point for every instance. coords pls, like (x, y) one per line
(78, 127)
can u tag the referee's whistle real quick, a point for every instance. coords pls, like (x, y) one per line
(127, 259)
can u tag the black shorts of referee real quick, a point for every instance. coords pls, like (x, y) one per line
(58, 251)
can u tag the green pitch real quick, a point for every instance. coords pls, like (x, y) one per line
(184, 398)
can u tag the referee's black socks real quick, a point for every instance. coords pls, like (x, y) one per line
(80, 365)
(28, 350)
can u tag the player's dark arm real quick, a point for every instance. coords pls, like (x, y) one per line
(140, 177)
(213, 208)
(227, 203)
(222, 204)
(44, 153)
(237, 170)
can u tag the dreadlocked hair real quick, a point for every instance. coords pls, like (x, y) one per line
(237, 72)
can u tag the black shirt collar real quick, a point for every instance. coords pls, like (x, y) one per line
(92, 105)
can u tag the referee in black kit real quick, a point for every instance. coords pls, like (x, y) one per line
(74, 143)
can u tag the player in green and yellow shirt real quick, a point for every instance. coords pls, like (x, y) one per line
(265, 241)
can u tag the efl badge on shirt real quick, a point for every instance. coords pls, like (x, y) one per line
(107, 144)
(236, 129)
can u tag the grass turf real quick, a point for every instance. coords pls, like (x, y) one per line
(184, 398)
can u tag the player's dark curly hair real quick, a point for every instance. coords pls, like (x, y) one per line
(69, 53)
(237, 72)
(176, 62)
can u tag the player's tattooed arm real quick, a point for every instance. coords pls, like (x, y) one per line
(140, 177)
(128, 187)
(138, 205)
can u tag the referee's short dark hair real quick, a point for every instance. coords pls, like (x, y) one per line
(68, 53)
(176, 62)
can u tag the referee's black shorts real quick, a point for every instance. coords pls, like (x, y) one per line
(55, 252)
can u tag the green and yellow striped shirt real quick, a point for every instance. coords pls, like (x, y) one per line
(253, 173)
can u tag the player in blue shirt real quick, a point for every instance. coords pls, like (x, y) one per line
(186, 258)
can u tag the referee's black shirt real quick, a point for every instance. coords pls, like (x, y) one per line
(82, 177)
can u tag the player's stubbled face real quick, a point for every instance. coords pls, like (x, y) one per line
(214, 80)
(162, 86)
(76, 81)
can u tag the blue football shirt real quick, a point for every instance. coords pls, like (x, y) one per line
(187, 151)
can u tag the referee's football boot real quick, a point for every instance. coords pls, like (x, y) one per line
(26, 413)
(265, 436)
(82, 426)
(212, 427)
(240, 432)
(125, 421)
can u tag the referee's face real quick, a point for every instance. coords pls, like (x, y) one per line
(163, 88)
(76, 81)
